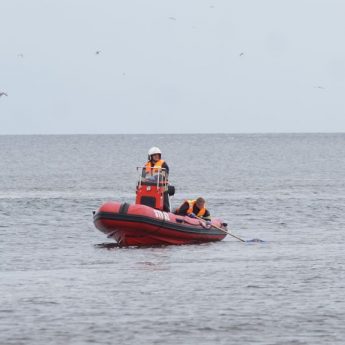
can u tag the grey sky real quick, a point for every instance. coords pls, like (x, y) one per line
(172, 66)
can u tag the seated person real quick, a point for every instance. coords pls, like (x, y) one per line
(194, 208)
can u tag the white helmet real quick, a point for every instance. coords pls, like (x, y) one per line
(154, 150)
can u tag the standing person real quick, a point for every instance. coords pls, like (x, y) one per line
(155, 162)
(194, 208)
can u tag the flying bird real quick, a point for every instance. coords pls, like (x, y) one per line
(172, 18)
(98, 52)
(3, 94)
(242, 54)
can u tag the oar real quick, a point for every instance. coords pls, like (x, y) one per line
(227, 232)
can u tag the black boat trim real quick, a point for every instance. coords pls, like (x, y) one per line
(157, 222)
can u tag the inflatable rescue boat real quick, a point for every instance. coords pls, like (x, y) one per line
(145, 223)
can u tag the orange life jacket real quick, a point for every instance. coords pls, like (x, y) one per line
(191, 204)
(153, 169)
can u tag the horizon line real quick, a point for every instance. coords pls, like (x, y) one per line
(172, 133)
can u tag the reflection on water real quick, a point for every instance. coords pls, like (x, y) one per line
(107, 245)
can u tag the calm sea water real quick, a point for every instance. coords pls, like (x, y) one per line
(57, 287)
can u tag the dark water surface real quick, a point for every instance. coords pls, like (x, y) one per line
(57, 287)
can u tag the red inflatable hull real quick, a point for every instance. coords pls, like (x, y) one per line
(140, 225)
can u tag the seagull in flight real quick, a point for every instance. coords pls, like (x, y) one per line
(3, 94)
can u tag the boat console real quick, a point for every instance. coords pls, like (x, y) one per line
(153, 188)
